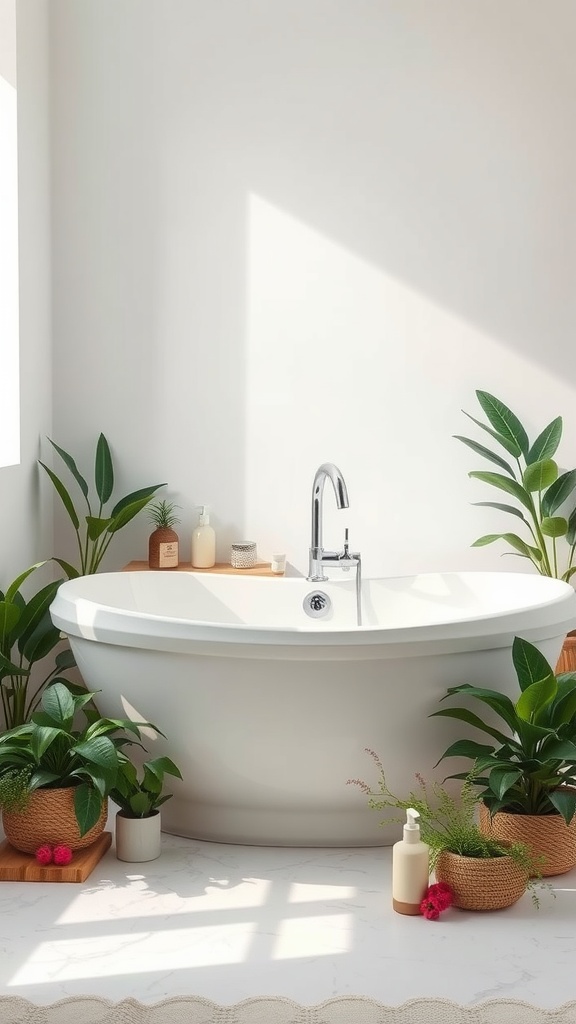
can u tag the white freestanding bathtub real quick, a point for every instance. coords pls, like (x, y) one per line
(267, 712)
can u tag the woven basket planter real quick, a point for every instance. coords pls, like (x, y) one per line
(567, 659)
(482, 883)
(49, 818)
(546, 835)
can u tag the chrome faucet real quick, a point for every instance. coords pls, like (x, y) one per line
(319, 558)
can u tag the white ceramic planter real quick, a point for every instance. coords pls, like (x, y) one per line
(138, 839)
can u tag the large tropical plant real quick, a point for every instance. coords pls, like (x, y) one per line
(96, 529)
(531, 768)
(53, 752)
(532, 478)
(27, 636)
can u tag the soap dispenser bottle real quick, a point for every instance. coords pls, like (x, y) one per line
(410, 868)
(203, 542)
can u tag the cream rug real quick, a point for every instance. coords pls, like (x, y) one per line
(342, 1010)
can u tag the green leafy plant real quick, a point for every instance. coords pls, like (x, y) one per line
(447, 822)
(531, 768)
(141, 797)
(162, 514)
(57, 754)
(15, 789)
(27, 636)
(94, 533)
(533, 480)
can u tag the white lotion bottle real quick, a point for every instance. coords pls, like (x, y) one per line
(203, 542)
(410, 868)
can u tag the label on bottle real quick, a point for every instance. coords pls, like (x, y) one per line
(168, 555)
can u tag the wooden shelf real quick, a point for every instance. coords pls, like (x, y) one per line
(23, 867)
(260, 569)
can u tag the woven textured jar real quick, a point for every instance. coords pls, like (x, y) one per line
(567, 659)
(546, 835)
(49, 818)
(482, 883)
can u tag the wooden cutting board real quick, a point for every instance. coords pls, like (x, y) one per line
(23, 867)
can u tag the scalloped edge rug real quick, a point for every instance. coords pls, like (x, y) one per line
(265, 1010)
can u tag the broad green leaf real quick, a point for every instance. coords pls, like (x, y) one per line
(486, 453)
(58, 703)
(503, 420)
(540, 475)
(554, 526)
(561, 750)
(10, 669)
(529, 663)
(546, 444)
(510, 446)
(44, 639)
(501, 780)
(140, 804)
(69, 462)
(535, 697)
(464, 715)
(36, 611)
(71, 572)
(103, 471)
(514, 541)
(504, 484)
(96, 527)
(65, 659)
(161, 765)
(42, 777)
(499, 702)
(9, 616)
(558, 492)
(564, 800)
(64, 496)
(134, 496)
(151, 782)
(126, 514)
(503, 508)
(15, 586)
(87, 805)
(567, 576)
(466, 748)
(41, 739)
(100, 751)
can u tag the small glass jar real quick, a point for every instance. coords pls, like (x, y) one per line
(243, 555)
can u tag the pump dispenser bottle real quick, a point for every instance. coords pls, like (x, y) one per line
(203, 542)
(410, 868)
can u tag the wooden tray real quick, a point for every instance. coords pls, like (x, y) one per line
(260, 569)
(23, 867)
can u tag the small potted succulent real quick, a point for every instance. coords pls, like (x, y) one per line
(483, 872)
(163, 542)
(138, 824)
(527, 774)
(56, 773)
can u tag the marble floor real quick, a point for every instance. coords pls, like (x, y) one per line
(229, 922)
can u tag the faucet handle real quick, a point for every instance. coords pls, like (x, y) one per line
(346, 547)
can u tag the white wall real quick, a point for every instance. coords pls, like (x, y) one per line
(304, 231)
(25, 515)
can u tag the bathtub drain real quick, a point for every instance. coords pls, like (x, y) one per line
(317, 604)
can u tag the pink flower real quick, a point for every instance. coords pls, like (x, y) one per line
(62, 854)
(438, 897)
(44, 854)
(429, 909)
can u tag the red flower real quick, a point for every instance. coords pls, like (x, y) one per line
(44, 854)
(438, 897)
(62, 854)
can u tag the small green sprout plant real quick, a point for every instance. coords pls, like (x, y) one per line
(141, 797)
(162, 514)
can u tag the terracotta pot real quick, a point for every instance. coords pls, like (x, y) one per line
(482, 883)
(138, 839)
(49, 818)
(546, 835)
(567, 659)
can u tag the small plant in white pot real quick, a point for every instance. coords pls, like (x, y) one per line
(138, 822)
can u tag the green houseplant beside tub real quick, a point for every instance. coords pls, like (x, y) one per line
(138, 823)
(66, 772)
(527, 775)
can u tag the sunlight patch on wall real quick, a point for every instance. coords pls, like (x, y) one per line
(9, 338)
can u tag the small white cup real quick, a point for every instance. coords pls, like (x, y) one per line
(278, 563)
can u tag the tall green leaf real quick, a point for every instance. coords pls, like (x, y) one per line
(546, 444)
(504, 484)
(503, 420)
(134, 496)
(503, 508)
(15, 586)
(535, 697)
(126, 514)
(58, 703)
(510, 446)
(502, 779)
(88, 806)
(64, 495)
(96, 527)
(70, 463)
(486, 453)
(103, 470)
(529, 663)
(499, 702)
(571, 531)
(559, 491)
(514, 541)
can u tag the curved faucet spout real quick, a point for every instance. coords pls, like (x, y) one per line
(331, 472)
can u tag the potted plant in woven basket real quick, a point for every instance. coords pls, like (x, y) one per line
(483, 873)
(138, 824)
(544, 507)
(527, 774)
(55, 777)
